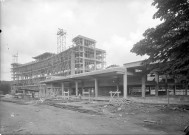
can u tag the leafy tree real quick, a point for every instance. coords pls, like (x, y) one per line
(5, 87)
(168, 43)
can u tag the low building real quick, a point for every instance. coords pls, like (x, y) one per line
(132, 79)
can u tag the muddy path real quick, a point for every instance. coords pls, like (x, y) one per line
(45, 119)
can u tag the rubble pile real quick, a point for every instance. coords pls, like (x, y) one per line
(119, 101)
(8, 96)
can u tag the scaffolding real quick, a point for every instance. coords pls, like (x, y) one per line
(82, 57)
(61, 40)
(15, 58)
(14, 65)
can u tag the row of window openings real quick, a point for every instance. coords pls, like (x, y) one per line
(87, 67)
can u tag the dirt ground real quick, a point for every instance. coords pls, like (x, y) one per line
(172, 119)
(84, 117)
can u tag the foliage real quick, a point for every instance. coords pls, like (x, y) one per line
(5, 87)
(168, 43)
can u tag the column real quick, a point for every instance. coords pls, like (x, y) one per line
(174, 87)
(125, 84)
(186, 89)
(51, 87)
(62, 88)
(51, 90)
(40, 90)
(45, 91)
(96, 87)
(76, 88)
(143, 86)
(157, 84)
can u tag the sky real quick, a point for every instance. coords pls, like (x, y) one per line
(29, 27)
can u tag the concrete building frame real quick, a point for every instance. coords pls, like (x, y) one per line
(81, 57)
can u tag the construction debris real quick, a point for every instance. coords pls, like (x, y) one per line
(12, 114)
(119, 101)
(119, 109)
(20, 129)
(8, 96)
(150, 121)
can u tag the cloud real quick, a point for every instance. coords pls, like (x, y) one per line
(29, 27)
(118, 49)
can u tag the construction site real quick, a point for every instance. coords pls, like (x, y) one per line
(79, 94)
(80, 70)
(81, 57)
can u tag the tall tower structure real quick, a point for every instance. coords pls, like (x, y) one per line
(14, 64)
(61, 40)
(15, 58)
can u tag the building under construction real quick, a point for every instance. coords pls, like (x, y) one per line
(81, 57)
(80, 70)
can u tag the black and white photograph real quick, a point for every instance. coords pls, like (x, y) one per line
(94, 67)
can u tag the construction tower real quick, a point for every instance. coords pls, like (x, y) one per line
(61, 40)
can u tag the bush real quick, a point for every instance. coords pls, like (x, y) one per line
(5, 88)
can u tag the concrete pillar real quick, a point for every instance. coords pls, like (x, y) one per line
(157, 84)
(143, 86)
(76, 88)
(46, 92)
(186, 89)
(174, 89)
(24, 92)
(166, 86)
(62, 88)
(150, 90)
(40, 90)
(51, 87)
(125, 84)
(96, 87)
(51, 91)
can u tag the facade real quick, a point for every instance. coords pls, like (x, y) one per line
(80, 69)
(132, 79)
(82, 57)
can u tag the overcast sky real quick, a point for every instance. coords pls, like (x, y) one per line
(29, 27)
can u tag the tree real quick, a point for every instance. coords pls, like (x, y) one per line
(5, 87)
(168, 43)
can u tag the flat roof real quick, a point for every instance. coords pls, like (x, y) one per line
(96, 73)
(46, 54)
(133, 64)
(80, 36)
